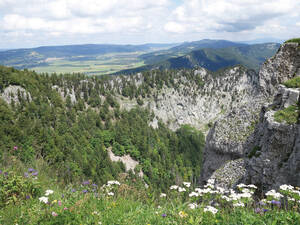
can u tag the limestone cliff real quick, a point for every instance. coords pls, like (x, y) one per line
(226, 141)
(272, 155)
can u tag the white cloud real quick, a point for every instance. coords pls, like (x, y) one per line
(147, 20)
(174, 27)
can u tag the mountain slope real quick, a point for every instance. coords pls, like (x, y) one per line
(251, 56)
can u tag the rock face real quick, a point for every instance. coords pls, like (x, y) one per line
(226, 141)
(12, 93)
(272, 155)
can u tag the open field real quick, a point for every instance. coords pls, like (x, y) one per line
(93, 65)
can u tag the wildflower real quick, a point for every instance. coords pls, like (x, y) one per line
(49, 192)
(174, 187)
(221, 190)
(65, 208)
(35, 173)
(73, 190)
(187, 184)
(26, 175)
(27, 197)
(211, 181)
(286, 187)
(111, 182)
(59, 203)
(95, 185)
(275, 202)
(291, 199)
(274, 194)
(54, 201)
(163, 195)
(192, 205)
(86, 182)
(252, 186)
(43, 199)
(164, 215)
(242, 185)
(15, 147)
(180, 189)
(110, 194)
(210, 209)
(182, 214)
(54, 214)
(226, 198)
(62, 196)
(84, 191)
(0, 171)
(30, 170)
(239, 204)
(193, 194)
(258, 210)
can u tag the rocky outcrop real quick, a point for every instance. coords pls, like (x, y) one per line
(272, 155)
(128, 162)
(226, 141)
(283, 66)
(13, 93)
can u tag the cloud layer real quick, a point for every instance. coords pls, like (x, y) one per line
(40, 22)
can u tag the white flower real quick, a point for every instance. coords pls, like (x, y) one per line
(43, 199)
(286, 187)
(239, 204)
(49, 192)
(241, 185)
(221, 190)
(174, 187)
(187, 184)
(193, 194)
(211, 181)
(111, 182)
(252, 186)
(210, 209)
(291, 199)
(226, 198)
(163, 195)
(209, 186)
(274, 194)
(180, 189)
(110, 194)
(192, 205)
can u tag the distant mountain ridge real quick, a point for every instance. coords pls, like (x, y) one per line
(98, 59)
(251, 56)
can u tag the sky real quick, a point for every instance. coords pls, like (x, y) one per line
(31, 23)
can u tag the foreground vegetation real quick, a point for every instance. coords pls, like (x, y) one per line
(37, 198)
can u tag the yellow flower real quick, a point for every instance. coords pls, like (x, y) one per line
(183, 214)
(54, 201)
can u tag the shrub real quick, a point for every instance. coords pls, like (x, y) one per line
(14, 188)
(294, 40)
(288, 115)
(293, 83)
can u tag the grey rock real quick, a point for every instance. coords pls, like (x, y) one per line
(227, 140)
(11, 93)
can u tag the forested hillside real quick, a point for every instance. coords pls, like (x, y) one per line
(70, 121)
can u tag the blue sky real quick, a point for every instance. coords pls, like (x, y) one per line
(30, 23)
